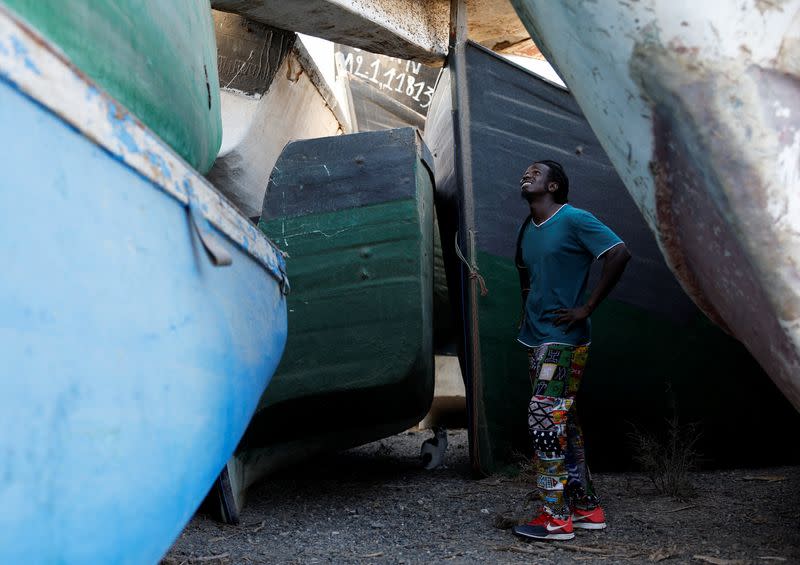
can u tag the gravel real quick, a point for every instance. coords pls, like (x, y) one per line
(375, 504)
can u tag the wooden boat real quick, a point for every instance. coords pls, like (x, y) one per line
(144, 53)
(355, 213)
(141, 320)
(647, 336)
(696, 105)
(385, 92)
(272, 93)
(388, 93)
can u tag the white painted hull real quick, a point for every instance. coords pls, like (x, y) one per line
(256, 129)
(696, 104)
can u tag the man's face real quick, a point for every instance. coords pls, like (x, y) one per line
(534, 181)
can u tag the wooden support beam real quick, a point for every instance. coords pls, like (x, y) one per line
(409, 29)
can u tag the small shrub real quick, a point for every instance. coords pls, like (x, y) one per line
(667, 459)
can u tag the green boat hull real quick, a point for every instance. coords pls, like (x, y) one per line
(355, 214)
(157, 58)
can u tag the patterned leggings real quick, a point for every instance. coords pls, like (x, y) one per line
(563, 478)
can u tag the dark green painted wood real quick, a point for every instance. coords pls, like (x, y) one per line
(359, 313)
(358, 363)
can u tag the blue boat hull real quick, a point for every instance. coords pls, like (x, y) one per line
(131, 365)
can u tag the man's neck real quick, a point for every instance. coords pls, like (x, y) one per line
(542, 210)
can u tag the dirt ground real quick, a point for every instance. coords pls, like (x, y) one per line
(375, 504)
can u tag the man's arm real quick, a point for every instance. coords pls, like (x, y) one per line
(614, 262)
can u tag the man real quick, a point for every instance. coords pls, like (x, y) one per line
(555, 249)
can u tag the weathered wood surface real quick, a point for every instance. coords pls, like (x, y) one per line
(409, 29)
(271, 94)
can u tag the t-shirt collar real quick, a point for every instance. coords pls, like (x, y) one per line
(548, 219)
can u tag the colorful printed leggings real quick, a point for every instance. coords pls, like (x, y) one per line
(563, 478)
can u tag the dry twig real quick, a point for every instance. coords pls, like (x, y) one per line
(681, 509)
(718, 560)
(663, 553)
(260, 527)
(206, 558)
(764, 478)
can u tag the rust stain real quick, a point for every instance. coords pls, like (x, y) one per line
(707, 197)
(670, 237)
(764, 6)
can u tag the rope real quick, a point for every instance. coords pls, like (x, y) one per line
(473, 270)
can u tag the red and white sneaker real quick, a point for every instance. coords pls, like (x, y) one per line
(594, 519)
(545, 527)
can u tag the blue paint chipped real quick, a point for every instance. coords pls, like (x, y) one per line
(21, 51)
(123, 127)
(91, 92)
(158, 161)
(119, 120)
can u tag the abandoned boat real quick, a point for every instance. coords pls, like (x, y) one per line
(355, 213)
(696, 105)
(141, 320)
(648, 336)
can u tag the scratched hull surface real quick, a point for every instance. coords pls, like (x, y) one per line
(355, 213)
(131, 364)
(272, 93)
(697, 107)
(648, 335)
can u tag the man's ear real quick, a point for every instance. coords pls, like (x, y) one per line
(552, 187)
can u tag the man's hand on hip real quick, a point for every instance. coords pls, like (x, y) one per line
(571, 316)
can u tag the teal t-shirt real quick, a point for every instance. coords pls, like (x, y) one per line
(558, 254)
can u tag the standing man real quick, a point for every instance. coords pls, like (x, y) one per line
(555, 249)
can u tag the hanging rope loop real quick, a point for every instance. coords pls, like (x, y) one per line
(473, 270)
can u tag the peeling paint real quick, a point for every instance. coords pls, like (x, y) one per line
(21, 51)
(118, 119)
(42, 70)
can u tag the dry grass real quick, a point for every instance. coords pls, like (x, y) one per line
(667, 458)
